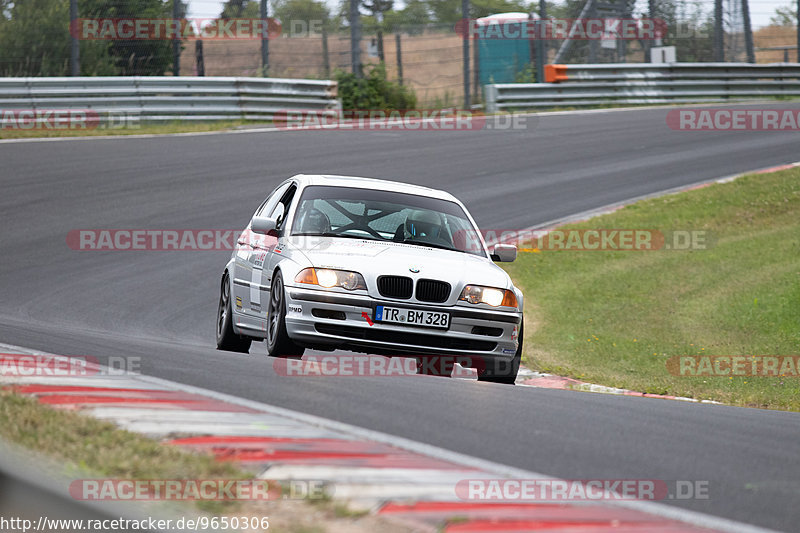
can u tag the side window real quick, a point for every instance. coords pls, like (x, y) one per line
(261, 207)
(272, 200)
(281, 209)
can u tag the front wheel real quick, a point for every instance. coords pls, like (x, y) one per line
(278, 342)
(227, 339)
(505, 372)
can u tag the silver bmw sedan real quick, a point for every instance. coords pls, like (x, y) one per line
(338, 262)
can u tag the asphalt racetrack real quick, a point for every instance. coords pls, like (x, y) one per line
(160, 306)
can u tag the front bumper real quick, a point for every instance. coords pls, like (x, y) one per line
(310, 322)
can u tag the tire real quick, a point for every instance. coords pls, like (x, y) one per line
(503, 371)
(278, 342)
(227, 339)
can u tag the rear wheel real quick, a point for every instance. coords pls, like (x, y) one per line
(278, 342)
(227, 339)
(503, 371)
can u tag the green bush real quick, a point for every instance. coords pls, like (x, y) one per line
(526, 75)
(373, 91)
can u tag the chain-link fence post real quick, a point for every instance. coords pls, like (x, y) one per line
(326, 60)
(541, 44)
(74, 50)
(198, 58)
(355, 38)
(719, 51)
(748, 32)
(465, 52)
(398, 46)
(176, 40)
(264, 40)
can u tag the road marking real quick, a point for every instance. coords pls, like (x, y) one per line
(469, 462)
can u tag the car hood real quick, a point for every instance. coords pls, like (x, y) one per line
(373, 259)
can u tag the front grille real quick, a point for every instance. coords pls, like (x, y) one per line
(403, 337)
(430, 290)
(395, 287)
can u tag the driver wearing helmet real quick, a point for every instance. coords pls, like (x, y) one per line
(423, 225)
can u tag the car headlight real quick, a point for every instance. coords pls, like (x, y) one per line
(329, 278)
(475, 294)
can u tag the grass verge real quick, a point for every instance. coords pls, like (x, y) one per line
(144, 129)
(616, 317)
(91, 448)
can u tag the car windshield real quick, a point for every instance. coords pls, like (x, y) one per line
(385, 216)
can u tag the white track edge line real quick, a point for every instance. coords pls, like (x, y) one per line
(658, 509)
(663, 510)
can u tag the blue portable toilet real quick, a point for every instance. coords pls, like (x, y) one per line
(503, 50)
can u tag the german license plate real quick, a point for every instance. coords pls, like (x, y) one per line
(412, 317)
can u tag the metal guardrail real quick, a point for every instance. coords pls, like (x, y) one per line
(647, 83)
(164, 98)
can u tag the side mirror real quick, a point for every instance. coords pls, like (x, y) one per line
(263, 225)
(504, 253)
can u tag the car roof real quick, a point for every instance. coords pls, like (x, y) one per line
(371, 183)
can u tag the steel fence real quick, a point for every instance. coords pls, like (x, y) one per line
(647, 83)
(167, 98)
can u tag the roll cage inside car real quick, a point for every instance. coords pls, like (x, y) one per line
(384, 216)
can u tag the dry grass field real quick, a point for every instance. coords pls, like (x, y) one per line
(431, 61)
(772, 36)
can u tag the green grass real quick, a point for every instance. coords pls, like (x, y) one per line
(88, 445)
(144, 129)
(616, 317)
(91, 448)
